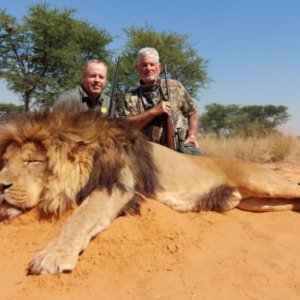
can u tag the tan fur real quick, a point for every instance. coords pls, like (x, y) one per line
(52, 160)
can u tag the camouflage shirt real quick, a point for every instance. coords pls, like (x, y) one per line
(78, 98)
(143, 98)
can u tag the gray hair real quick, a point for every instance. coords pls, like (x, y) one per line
(147, 51)
(91, 61)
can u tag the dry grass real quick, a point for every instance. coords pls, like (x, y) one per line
(272, 148)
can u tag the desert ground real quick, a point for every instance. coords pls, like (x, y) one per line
(165, 255)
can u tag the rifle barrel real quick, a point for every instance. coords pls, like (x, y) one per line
(112, 106)
(171, 132)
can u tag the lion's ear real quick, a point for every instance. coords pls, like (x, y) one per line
(69, 168)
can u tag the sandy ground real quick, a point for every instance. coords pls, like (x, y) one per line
(163, 254)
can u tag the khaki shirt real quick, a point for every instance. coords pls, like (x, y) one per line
(78, 98)
(143, 98)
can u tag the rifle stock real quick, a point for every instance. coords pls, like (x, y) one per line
(174, 140)
(171, 142)
(112, 106)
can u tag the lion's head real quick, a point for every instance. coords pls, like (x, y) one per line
(55, 158)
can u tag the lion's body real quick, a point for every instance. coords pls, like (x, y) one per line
(53, 160)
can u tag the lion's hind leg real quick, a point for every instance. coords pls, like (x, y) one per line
(256, 181)
(269, 192)
(268, 205)
(219, 198)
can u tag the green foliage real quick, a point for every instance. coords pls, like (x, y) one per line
(7, 108)
(245, 120)
(45, 53)
(182, 60)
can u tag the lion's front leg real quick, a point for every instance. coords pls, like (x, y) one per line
(94, 215)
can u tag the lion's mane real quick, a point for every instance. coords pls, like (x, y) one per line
(84, 151)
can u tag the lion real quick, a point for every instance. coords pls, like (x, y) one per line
(55, 160)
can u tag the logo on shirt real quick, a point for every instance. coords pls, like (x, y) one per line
(103, 110)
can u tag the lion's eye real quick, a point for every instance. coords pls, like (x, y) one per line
(34, 162)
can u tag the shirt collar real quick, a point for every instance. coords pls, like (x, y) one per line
(147, 88)
(86, 98)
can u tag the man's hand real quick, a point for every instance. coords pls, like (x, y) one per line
(191, 139)
(163, 107)
(141, 120)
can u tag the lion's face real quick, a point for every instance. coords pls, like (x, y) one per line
(21, 178)
(55, 159)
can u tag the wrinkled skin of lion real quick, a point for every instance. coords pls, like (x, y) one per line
(55, 160)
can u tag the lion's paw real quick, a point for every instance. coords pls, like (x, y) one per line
(52, 260)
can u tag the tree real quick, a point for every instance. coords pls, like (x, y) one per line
(45, 53)
(7, 108)
(246, 120)
(219, 118)
(182, 60)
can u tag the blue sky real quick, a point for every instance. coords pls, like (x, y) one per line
(253, 46)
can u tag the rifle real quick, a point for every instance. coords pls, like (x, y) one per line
(174, 139)
(112, 106)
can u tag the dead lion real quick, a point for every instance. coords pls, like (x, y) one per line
(52, 160)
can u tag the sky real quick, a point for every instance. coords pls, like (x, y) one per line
(253, 46)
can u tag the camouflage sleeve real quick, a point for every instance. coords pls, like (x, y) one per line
(131, 107)
(187, 106)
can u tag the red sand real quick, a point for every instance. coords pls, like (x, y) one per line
(165, 255)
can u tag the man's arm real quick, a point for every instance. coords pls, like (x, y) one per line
(193, 129)
(143, 119)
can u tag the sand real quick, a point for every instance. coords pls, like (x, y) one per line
(163, 254)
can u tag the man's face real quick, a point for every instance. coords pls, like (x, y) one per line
(149, 69)
(95, 78)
